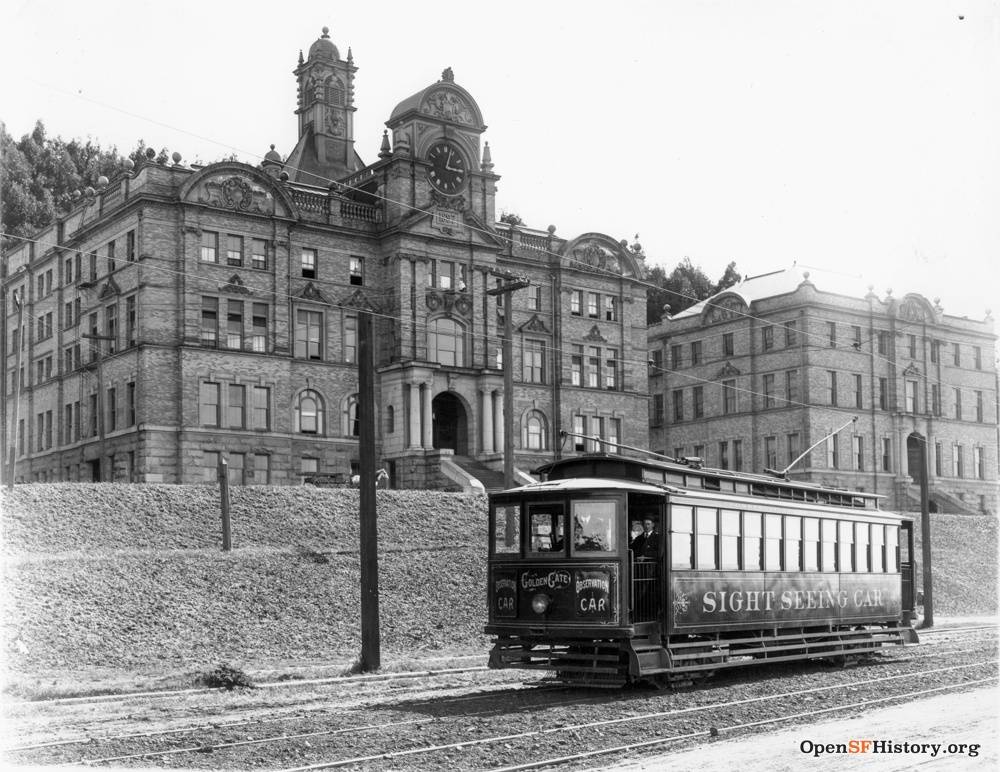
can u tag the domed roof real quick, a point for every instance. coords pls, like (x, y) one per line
(444, 99)
(272, 155)
(324, 48)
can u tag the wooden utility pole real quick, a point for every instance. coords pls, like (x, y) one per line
(370, 637)
(15, 424)
(227, 525)
(925, 537)
(507, 289)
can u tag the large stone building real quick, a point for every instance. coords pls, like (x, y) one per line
(754, 376)
(182, 313)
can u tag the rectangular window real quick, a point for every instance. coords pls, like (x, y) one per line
(831, 331)
(576, 302)
(92, 415)
(727, 344)
(938, 459)
(793, 543)
(209, 404)
(308, 465)
(752, 541)
(979, 463)
(261, 408)
(912, 346)
(681, 532)
(979, 406)
(656, 357)
(308, 334)
(857, 337)
(258, 332)
(791, 334)
(657, 409)
(724, 454)
(729, 540)
(891, 549)
(957, 465)
(445, 274)
(729, 397)
(698, 398)
(507, 529)
(977, 355)
(68, 315)
(771, 452)
(579, 429)
(792, 387)
(234, 324)
(68, 272)
(958, 404)
(858, 447)
(886, 454)
(768, 390)
(862, 558)
(810, 544)
(935, 350)
(675, 357)
(111, 327)
(858, 392)
(593, 304)
(883, 341)
(236, 464)
(614, 435)
(883, 393)
(957, 351)
(209, 321)
(611, 369)
(832, 455)
(738, 455)
(772, 542)
(112, 409)
(67, 424)
(593, 372)
(131, 321)
(911, 396)
(610, 308)
(237, 406)
(92, 266)
(111, 257)
(130, 246)
(878, 548)
(831, 387)
(935, 399)
(576, 366)
(533, 359)
(130, 403)
(209, 247)
(234, 250)
(534, 295)
(546, 529)
(708, 532)
(678, 453)
(767, 337)
(356, 268)
(350, 333)
(261, 469)
(258, 254)
(845, 561)
(696, 352)
(792, 446)
(308, 263)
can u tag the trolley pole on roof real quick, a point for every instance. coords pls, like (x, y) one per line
(511, 284)
(370, 640)
(925, 538)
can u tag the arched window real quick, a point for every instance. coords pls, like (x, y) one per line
(333, 92)
(350, 425)
(309, 412)
(446, 342)
(535, 433)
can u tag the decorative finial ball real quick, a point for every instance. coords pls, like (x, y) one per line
(102, 181)
(888, 291)
(326, 32)
(805, 274)
(871, 287)
(552, 230)
(128, 164)
(176, 157)
(89, 191)
(272, 146)
(150, 153)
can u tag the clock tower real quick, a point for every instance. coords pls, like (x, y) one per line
(325, 149)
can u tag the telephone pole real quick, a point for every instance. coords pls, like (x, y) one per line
(925, 538)
(511, 284)
(370, 636)
(14, 422)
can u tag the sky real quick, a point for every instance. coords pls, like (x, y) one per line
(857, 139)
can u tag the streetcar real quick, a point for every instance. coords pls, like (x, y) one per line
(617, 569)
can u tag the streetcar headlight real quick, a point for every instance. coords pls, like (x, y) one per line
(540, 603)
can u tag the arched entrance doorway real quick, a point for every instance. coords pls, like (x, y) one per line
(450, 423)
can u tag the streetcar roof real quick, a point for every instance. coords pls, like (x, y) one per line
(592, 484)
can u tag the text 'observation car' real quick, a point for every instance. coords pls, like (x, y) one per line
(617, 569)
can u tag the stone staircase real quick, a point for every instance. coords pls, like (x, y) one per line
(490, 478)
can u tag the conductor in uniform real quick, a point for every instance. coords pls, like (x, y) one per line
(646, 546)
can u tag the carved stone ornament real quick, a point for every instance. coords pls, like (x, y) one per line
(446, 104)
(595, 335)
(359, 300)
(235, 286)
(455, 203)
(237, 193)
(724, 309)
(334, 122)
(449, 302)
(594, 255)
(729, 371)
(110, 289)
(534, 324)
(447, 221)
(913, 311)
(309, 292)
(911, 369)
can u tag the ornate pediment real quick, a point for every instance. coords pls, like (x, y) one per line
(310, 292)
(358, 299)
(450, 302)
(911, 370)
(534, 324)
(110, 289)
(913, 309)
(237, 192)
(595, 335)
(448, 105)
(592, 254)
(723, 310)
(235, 286)
(728, 371)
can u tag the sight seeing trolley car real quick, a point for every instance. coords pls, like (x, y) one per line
(747, 569)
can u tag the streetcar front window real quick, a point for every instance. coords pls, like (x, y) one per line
(507, 529)
(548, 529)
(594, 526)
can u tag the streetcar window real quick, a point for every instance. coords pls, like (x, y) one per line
(507, 529)
(729, 539)
(652, 476)
(829, 551)
(861, 561)
(708, 530)
(810, 544)
(846, 562)
(681, 522)
(878, 548)
(752, 541)
(772, 542)
(891, 549)
(547, 529)
(594, 526)
(793, 543)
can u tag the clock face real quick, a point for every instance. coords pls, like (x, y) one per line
(447, 172)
